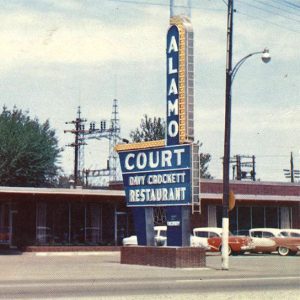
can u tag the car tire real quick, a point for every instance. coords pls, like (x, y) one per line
(283, 251)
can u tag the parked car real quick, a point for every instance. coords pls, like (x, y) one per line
(196, 241)
(267, 240)
(130, 241)
(237, 244)
(160, 237)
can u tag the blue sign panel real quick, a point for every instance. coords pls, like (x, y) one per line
(157, 177)
(172, 86)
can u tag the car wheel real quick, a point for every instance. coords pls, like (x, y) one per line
(283, 251)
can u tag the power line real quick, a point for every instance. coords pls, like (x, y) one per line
(291, 4)
(284, 4)
(278, 8)
(216, 9)
(267, 21)
(164, 4)
(269, 11)
(272, 156)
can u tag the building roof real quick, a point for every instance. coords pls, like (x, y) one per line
(210, 190)
(13, 193)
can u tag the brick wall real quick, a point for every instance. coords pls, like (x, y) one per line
(170, 257)
(252, 187)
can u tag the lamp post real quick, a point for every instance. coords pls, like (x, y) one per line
(230, 75)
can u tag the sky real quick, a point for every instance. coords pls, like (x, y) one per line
(57, 55)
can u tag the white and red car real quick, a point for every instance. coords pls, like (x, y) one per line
(267, 240)
(212, 236)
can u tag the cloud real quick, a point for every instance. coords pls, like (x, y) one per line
(49, 37)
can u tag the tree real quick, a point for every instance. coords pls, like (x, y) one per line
(151, 130)
(29, 150)
(204, 161)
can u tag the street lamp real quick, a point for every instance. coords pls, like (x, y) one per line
(265, 58)
(230, 75)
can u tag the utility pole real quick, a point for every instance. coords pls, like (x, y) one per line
(78, 122)
(292, 167)
(291, 173)
(226, 161)
(253, 175)
(238, 167)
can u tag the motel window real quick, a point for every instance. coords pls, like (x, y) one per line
(258, 216)
(63, 223)
(58, 221)
(93, 233)
(272, 217)
(233, 220)
(244, 218)
(77, 223)
(285, 217)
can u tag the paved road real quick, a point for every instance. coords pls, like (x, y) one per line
(100, 276)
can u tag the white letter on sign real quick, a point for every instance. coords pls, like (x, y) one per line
(173, 87)
(166, 157)
(173, 128)
(171, 70)
(141, 160)
(178, 152)
(127, 165)
(173, 108)
(173, 45)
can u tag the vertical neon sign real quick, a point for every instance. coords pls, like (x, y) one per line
(172, 86)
